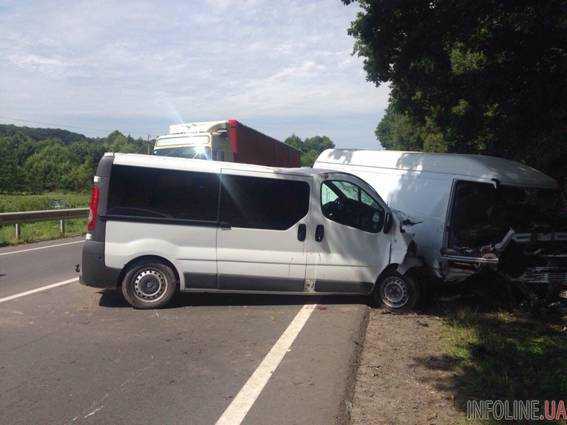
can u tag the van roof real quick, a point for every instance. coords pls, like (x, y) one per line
(477, 166)
(174, 163)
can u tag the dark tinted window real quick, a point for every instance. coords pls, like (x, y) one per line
(261, 203)
(348, 204)
(483, 214)
(151, 192)
(473, 209)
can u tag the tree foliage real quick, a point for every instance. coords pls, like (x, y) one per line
(470, 76)
(310, 148)
(38, 160)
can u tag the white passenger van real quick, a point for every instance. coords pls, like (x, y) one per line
(470, 213)
(162, 224)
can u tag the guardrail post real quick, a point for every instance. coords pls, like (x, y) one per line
(18, 231)
(62, 227)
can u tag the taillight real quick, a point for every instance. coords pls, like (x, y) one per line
(93, 208)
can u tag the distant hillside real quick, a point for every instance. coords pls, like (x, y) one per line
(36, 160)
(64, 136)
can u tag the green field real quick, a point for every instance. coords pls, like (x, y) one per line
(42, 230)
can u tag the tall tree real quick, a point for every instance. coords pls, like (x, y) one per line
(10, 175)
(310, 148)
(50, 168)
(398, 131)
(470, 76)
(295, 141)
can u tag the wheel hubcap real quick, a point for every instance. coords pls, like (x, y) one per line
(395, 292)
(150, 285)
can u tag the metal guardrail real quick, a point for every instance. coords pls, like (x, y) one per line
(18, 218)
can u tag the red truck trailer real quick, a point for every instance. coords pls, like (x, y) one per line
(228, 140)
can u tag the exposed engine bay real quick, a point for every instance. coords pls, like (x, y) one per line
(518, 233)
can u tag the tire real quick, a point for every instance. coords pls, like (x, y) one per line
(149, 284)
(397, 293)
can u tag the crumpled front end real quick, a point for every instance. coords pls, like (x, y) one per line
(403, 249)
(536, 261)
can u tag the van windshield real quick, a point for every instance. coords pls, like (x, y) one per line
(193, 152)
(483, 214)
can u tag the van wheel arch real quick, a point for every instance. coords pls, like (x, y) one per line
(144, 259)
(391, 268)
(407, 280)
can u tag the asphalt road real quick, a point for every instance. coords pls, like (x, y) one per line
(73, 354)
(30, 266)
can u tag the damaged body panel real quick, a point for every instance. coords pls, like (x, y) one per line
(482, 235)
(535, 259)
(403, 249)
(538, 260)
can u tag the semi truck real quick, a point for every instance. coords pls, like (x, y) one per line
(229, 141)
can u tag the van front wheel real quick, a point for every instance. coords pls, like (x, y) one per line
(149, 284)
(397, 293)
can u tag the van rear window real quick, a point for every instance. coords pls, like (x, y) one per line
(169, 194)
(263, 203)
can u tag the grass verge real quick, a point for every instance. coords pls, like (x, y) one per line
(498, 350)
(505, 355)
(45, 201)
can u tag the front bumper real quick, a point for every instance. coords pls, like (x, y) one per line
(93, 270)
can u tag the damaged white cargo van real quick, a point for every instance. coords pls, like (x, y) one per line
(470, 213)
(162, 224)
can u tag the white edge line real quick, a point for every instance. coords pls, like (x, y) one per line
(40, 247)
(244, 400)
(33, 291)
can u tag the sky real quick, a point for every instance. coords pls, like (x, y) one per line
(281, 67)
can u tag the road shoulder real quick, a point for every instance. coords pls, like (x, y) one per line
(395, 384)
(312, 384)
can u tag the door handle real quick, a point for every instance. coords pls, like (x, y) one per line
(319, 233)
(224, 225)
(301, 232)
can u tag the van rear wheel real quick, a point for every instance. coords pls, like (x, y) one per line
(397, 293)
(149, 284)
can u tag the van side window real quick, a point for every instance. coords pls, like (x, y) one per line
(349, 204)
(263, 203)
(156, 193)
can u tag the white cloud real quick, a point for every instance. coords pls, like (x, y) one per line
(124, 62)
(223, 4)
(34, 60)
(305, 69)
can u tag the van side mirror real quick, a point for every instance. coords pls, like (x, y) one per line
(388, 221)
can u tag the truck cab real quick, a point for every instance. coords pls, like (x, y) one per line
(199, 140)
